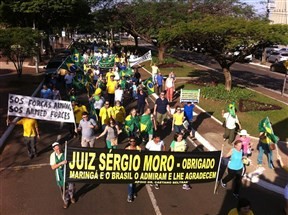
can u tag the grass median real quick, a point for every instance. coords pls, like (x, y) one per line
(249, 120)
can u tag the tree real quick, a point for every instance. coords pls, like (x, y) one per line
(17, 44)
(221, 36)
(144, 19)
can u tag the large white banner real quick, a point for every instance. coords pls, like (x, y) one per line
(38, 108)
(147, 56)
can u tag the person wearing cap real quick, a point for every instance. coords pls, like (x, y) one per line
(87, 127)
(246, 145)
(98, 101)
(57, 163)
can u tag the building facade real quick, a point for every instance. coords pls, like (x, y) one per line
(278, 11)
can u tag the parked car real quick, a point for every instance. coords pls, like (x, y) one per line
(278, 67)
(53, 65)
(277, 56)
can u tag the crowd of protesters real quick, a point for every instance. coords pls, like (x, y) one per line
(109, 91)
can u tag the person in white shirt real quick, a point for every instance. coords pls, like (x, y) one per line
(231, 120)
(156, 144)
(119, 94)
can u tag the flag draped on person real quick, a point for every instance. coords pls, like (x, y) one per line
(265, 126)
(146, 124)
(231, 109)
(149, 85)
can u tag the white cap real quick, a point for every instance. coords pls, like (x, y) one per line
(55, 144)
(243, 132)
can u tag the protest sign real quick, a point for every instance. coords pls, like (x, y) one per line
(39, 108)
(147, 56)
(88, 165)
(190, 95)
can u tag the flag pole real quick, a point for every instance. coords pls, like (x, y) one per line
(64, 179)
(216, 182)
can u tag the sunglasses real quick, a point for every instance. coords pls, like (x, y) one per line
(106, 104)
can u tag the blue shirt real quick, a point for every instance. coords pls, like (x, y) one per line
(188, 111)
(159, 80)
(235, 162)
(46, 94)
(161, 105)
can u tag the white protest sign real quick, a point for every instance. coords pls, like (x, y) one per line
(38, 108)
(147, 56)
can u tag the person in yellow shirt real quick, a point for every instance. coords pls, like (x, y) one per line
(105, 114)
(108, 75)
(111, 87)
(178, 119)
(78, 110)
(30, 132)
(243, 208)
(119, 113)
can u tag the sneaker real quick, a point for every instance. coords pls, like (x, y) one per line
(236, 195)
(129, 199)
(151, 185)
(222, 184)
(157, 187)
(224, 139)
(135, 196)
(65, 205)
(73, 201)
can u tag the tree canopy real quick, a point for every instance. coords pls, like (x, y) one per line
(19, 43)
(221, 36)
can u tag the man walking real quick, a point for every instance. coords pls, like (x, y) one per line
(87, 127)
(30, 132)
(57, 163)
(161, 109)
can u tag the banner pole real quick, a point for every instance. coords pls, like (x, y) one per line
(216, 182)
(64, 178)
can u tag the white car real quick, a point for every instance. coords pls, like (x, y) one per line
(277, 56)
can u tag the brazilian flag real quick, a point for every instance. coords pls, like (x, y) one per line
(149, 85)
(231, 109)
(146, 125)
(265, 126)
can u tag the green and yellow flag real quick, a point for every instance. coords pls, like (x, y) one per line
(231, 109)
(149, 85)
(265, 126)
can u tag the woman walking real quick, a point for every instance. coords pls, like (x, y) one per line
(112, 130)
(235, 168)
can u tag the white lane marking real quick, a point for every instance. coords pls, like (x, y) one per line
(153, 200)
(24, 167)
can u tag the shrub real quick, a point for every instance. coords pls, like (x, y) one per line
(219, 93)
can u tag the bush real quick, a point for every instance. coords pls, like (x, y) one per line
(219, 93)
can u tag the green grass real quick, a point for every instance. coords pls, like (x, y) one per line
(250, 120)
(185, 71)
